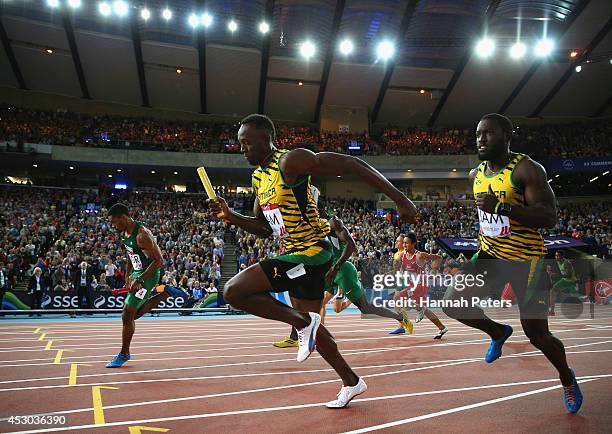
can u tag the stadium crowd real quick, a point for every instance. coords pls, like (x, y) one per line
(59, 230)
(61, 127)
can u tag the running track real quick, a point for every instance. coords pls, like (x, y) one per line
(191, 375)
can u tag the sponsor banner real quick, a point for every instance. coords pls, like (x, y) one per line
(601, 289)
(100, 300)
(551, 242)
(561, 165)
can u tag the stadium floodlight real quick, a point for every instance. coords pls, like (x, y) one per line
(167, 14)
(120, 8)
(105, 9)
(232, 26)
(485, 47)
(193, 20)
(346, 47)
(307, 50)
(74, 3)
(385, 50)
(578, 68)
(145, 14)
(53, 3)
(544, 47)
(518, 50)
(264, 27)
(207, 20)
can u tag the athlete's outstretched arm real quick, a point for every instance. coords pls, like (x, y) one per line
(300, 162)
(541, 208)
(257, 225)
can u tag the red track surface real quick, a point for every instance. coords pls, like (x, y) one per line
(222, 375)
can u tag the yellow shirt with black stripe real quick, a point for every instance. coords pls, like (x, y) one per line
(290, 209)
(499, 236)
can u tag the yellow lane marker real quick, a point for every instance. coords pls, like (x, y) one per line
(97, 403)
(73, 373)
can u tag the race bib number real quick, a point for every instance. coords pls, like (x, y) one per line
(140, 294)
(494, 225)
(134, 259)
(275, 219)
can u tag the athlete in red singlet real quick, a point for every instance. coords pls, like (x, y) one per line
(413, 263)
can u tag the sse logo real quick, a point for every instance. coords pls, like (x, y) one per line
(171, 302)
(99, 302)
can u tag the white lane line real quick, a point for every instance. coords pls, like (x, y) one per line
(272, 409)
(345, 353)
(109, 326)
(100, 335)
(459, 409)
(98, 346)
(460, 361)
(249, 391)
(70, 360)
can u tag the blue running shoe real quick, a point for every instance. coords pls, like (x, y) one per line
(398, 331)
(118, 361)
(495, 349)
(175, 292)
(572, 395)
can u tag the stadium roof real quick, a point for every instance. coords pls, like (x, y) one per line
(133, 61)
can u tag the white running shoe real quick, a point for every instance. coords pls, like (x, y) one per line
(307, 337)
(347, 393)
(441, 333)
(420, 316)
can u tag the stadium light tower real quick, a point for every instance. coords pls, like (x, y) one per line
(307, 50)
(232, 26)
(544, 47)
(518, 50)
(385, 50)
(193, 20)
(121, 8)
(264, 27)
(74, 3)
(145, 14)
(105, 9)
(485, 47)
(207, 20)
(53, 3)
(167, 14)
(346, 47)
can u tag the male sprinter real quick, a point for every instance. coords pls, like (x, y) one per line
(142, 275)
(565, 281)
(284, 206)
(397, 266)
(343, 275)
(514, 200)
(413, 263)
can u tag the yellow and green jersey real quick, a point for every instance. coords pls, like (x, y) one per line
(290, 209)
(501, 236)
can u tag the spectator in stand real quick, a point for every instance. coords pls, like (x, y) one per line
(83, 281)
(65, 128)
(58, 280)
(212, 288)
(110, 270)
(197, 292)
(3, 284)
(37, 288)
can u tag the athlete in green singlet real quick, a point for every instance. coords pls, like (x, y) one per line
(343, 282)
(142, 275)
(566, 281)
